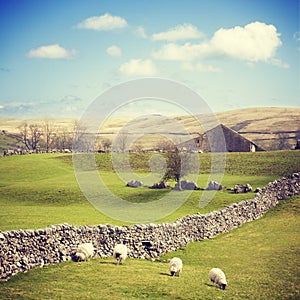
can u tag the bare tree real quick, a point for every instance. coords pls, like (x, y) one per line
(48, 132)
(106, 144)
(83, 139)
(35, 135)
(24, 133)
(121, 143)
(62, 139)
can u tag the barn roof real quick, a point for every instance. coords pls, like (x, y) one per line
(225, 128)
(228, 133)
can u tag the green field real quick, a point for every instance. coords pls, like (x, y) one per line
(40, 190)
(260, 259)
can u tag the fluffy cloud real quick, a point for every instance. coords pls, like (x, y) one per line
(52, 52)
(180, 32)
(103, 23)
(255, 42)
(114, 51)
(138, 67)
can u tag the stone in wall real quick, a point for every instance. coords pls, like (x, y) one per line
(23, 250)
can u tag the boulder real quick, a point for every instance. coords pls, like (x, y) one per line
(240, 188)
(134, 183)
(160, 185)
(214, 186)
(186, 185)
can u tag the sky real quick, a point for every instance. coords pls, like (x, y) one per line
(58, 56)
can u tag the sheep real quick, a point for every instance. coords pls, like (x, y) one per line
(217, 276)
(120, 253)
(175, 266)
(84, 252)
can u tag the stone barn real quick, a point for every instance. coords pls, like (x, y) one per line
(220, 139)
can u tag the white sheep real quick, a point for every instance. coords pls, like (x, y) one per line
(217, 276)
(175, 266)
(120, 253)
(84, 252)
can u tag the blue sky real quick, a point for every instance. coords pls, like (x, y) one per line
(57, 56)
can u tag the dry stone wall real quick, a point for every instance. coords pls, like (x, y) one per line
(22, 250)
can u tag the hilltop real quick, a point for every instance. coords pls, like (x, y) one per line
(271, 128)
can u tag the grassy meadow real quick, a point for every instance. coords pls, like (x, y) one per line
(40, 190)
(260, 259)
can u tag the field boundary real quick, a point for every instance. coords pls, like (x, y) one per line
(22, 250)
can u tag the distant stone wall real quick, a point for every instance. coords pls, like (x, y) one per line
(22, 250)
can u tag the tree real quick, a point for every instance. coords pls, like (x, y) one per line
(104, 144)
(35, 135)
(48, 131)
(62, 139)
(121, 142)
(24, 133)
(179, 164)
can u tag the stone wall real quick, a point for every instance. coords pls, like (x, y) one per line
(22, 250)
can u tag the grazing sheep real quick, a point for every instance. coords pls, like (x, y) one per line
(84, 252)
(175, 266)
(120, 253)
(217, 276)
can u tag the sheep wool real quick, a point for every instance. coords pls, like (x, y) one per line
(120, 253)
(175, 266)
(217, 276)
(84, 251)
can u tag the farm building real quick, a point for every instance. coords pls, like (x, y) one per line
(220, 139)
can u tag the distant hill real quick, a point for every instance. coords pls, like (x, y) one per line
(271, 128)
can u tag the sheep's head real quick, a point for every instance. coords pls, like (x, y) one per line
(79, 256)
(223, 286)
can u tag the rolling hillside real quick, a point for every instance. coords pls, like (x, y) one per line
(272, 128)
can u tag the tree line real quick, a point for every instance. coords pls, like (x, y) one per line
(45, 136)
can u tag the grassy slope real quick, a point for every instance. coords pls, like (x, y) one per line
(260, 259)
(39, 190)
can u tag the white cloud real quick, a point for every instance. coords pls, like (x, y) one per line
(140, 31)
(255, 42)
(1, 106)
(138, 67)
(103, 23)
(52, 52)
(186, 52)
(114, 51)
(180, 32)
(199, 67)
